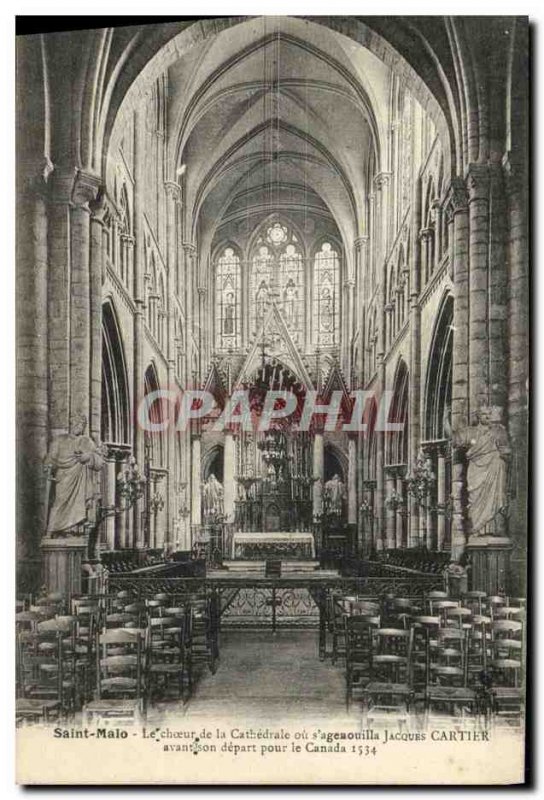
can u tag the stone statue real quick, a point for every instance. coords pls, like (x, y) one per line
(488, 459)
(333, 495)
(73, 464)
(213, 497)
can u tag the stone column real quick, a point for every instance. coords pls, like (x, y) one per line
(352, 480)
(196, 482)
(414, 406)
(110, 486)
(173, 200)
(518, 363)
(349, 286)
(189, 253)
(400, 543)
(32, 377)
(229, 480)
(97, 264)
(441, 499)
(457, 208)
(390, 514)
(138, 290)
(318, 474)
(84, 191)
(478, 188)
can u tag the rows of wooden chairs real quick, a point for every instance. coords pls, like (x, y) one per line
(434, 657)
(110, 656)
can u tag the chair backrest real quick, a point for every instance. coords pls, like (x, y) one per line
(391, 655)
(120, 662)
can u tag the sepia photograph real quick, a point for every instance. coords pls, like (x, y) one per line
(272, 406)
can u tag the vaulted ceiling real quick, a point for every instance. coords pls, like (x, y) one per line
(276, 113)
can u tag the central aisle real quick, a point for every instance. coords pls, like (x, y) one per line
(271, 677)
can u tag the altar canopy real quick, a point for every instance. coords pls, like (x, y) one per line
(277, 545)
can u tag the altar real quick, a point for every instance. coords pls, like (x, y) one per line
(279, 545)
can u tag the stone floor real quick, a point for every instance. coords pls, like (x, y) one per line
(268, 677)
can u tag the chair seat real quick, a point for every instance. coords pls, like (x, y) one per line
(460, 693)
(117, 704)
(28, 705)
(376, 687)
(166, 668)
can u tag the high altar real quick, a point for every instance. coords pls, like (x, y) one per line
(274, 504)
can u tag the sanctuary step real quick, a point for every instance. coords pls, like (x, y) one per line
(255, 567)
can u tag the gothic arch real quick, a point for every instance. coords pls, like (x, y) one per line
(156, 415)
(115, 416)
(438, 385)
(397, 446)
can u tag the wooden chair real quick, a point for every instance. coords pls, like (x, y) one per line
(120, 686)
(167, 656)
(358, 639)
(447, 693)
(389, 693)
(45, 672)
(425, 629)
(475, 600)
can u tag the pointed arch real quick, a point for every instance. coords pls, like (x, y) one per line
(115, 416)
(438, 385)
(156, 416)
(397, 446)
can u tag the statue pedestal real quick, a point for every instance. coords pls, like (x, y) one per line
(490, 563)
(62, 562)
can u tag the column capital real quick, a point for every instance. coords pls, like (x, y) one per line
(349, 283)
(85, 188)
(75, 186)
(202, 291)
(361, 241)
(478, 182)
(189, 248)
(457, 196)
(382, 179)
(425, 233)
(173, 190)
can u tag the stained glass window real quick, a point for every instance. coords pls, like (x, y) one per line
(326, 298)
(228, 296)
(277, 274)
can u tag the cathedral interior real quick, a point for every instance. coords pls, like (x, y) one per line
(326, 206)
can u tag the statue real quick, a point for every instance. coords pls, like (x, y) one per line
(333, 495)
(213, 497)
(73, 464)
(488, 456)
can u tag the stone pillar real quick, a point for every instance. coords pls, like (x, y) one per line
(478, 188)
(518, 363)
(457, 208)
(400, 543)
(229, 480)
(424, 235)
(441, 499)
(352, 480)
(139, 315)
(390, 514)
(189, 255)
(318, 474)
(110, 486)
(84, 191)
(173, 200)
(97, 264)
(349, 286)
(431, 533)
(31, 378)
(196, 482)
(414, 406)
